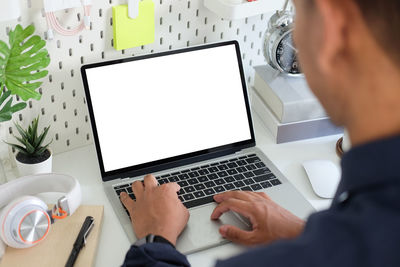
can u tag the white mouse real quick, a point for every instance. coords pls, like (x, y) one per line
(324, 177)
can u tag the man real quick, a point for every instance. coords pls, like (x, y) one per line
(349, 51)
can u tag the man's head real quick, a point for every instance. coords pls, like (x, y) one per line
(346, 47)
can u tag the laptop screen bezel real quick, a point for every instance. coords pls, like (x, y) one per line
(176, 161)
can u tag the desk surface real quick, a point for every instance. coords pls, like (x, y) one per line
(82, 164)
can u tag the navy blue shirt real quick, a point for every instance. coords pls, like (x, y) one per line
(361, 228)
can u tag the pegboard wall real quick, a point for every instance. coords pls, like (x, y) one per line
(179, 23)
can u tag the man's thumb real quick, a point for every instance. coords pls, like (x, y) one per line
(235, 234)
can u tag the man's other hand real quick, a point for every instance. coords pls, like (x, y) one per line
(157, 209)
(269, 221)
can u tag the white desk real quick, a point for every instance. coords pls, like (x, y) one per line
(82, 164)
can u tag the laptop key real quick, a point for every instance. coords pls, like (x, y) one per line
(212, 176)
(202, 179)
(132, 196)
(173, 179)
(222, 174)
(200, 186)
(239, 177)
(239, 184)
(165, 175)
(195, 169)
(193, 174)
(198, 202)
(266, 184)
(203, 172)
(232, 165)
(222, 167)
(181, 198)
(241, 162)
(246, 188)
(229, 179)
(249, 181)
(209, 184)
(256, 187)
(235, 159)
(232, 171)
(129, 190)
(183, 183)
(199, 194)
(188, 197)
(219, 189)
(162, 181)
(248, 174)
(219, 181)
(262, 171)
(265, 177)
(193, 181)
(209, 191)
(213, 169)
(189, 189)
(183, 176)
(251, 167)
(241, 169)
(275, 182)
(175, 173)
(185, 171)
(253, 160)
(229, 186)
(260, 164)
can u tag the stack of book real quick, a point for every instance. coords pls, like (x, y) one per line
(287, 107)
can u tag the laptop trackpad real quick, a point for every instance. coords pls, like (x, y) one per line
(201, 232)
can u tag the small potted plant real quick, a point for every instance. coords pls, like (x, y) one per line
(33, 157)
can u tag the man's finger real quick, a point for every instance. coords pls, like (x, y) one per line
(232, 204)
(150, 181)
(242, 195)
(236, 235)
(127, 202)
(138, 188)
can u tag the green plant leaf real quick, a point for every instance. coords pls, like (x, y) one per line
(21, 131)
(17, 147)
(23, 62)
(42, 137)
(5, 116)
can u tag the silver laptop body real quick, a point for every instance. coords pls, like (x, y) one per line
(194, 145)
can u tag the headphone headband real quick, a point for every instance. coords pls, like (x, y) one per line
(35, 184)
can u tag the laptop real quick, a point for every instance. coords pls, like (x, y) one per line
(185, 117)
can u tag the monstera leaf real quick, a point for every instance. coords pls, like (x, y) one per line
(23, 63)
(6, 108)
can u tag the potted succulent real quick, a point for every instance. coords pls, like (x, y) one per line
(33, 157)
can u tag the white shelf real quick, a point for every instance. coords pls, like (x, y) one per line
(228, 10)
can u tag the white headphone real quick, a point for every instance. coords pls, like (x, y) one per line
(25, 220)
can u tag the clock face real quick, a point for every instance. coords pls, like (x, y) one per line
(286, 55)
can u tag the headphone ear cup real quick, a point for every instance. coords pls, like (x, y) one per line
(24, 222)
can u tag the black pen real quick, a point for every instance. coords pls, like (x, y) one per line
(80, 240)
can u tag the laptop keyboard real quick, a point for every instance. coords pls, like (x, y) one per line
(200, 184)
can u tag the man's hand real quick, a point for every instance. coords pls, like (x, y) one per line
(269, 221)
(157, 209)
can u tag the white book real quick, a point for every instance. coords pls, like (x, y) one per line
(293, 131)
(289, 98)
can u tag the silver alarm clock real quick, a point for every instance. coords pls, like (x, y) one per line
(278, 46)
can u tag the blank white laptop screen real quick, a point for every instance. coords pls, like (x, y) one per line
(162, 107)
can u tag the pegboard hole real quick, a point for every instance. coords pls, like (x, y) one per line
(80, 39)
(72, 73)
(82, 60)
(68, 142)
(42, 110)
(30, 104)
(60, 65)
(91, 47)
(170, 28)
(75, 112)
(87, 136)
(77, 130)
(64, 105)
(52, 99)
(73, 93)
(179, 17)
(66, 124)
(70, 52)
(54, 117)
(58, 44)
(10, 130)
(57, 137)
(161, 19)
(100, 12)
(62, 86)
(101, 34)
(86, 118)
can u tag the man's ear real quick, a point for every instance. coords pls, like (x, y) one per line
(334, 29)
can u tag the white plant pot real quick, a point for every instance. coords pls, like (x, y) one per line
(29, 169)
